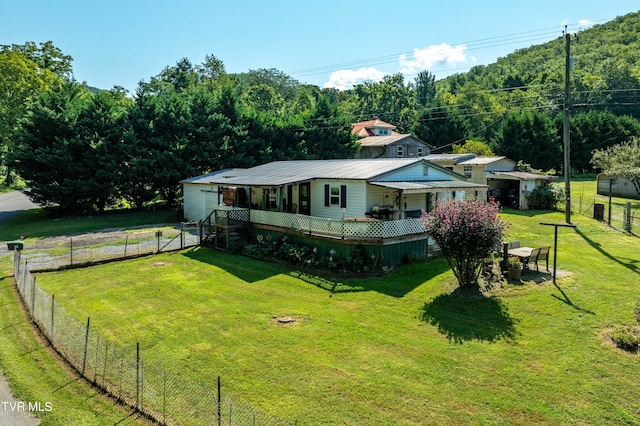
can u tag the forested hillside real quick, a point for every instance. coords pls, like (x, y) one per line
(92, 150)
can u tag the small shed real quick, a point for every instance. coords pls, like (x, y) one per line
(620, 186)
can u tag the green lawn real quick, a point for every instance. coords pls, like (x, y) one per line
(38, 223)
(37, 376)
(400, 349)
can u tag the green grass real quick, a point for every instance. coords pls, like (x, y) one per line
(400, 349)
(37, 375)
(403, 349)
(39, 223)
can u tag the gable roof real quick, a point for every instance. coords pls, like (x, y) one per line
(386, 140)
(362, 129)
(280, 173)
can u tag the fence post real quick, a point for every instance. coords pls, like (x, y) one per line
(219, 404)
(86, 345)
(137, 375)
(33, 296)
(627, 217)
(53, 306)
(71, 249)
(106, 356)
(95, 371)
(126, 243)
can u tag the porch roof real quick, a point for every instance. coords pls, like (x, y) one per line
(519, 176)
(431, 186)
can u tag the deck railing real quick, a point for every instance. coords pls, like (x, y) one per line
(347, 228)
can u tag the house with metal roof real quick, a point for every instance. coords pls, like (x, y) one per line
(356, 201)
(378, 139)
(505, 185)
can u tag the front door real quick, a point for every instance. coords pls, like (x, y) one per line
(304, 198)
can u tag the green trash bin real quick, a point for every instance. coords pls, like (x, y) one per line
(15, 245)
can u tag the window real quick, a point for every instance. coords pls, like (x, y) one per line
(400, 151)
(425, 170)
(420, 151)
(468, 171)
(335, 195)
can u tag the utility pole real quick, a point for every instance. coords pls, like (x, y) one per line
(566, 134)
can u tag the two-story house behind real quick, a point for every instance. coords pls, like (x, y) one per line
(379, 139)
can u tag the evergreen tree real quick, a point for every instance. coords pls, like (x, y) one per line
(48, 154)
(532, 137)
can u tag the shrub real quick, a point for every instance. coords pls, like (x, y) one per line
(545, 197)
(266, 247)
(627, 337)
(466, 231)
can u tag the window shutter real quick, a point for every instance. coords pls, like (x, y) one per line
(326, 195)
(343, 196)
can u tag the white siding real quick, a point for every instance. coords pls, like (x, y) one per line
(414, 202)
(379, 196)
(416, 172)
(356, 199)
(199, 200)
(504, 165)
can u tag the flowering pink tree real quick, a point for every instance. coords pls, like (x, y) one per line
(466, 231)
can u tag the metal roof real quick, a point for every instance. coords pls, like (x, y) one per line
(447, 185)
(382, 140)
(484, 160)
(449, 158)
(211, 177)
(522, 175)
(287, 172)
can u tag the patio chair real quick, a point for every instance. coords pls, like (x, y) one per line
(514, 244)
(532, 259)
(543, 255)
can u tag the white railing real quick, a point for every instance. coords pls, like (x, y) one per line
(348, 228)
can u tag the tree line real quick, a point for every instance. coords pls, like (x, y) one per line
(88, 150)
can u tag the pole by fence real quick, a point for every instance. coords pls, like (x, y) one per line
(138, 375)
(219, 404)
(53, 307)
(86, 346)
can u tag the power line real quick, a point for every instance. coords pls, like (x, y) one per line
(527, 36)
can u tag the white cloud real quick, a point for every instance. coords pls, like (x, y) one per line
(345, 79)
(426, 58)
(585, 23)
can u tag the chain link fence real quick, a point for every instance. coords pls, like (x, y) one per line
(625, 217)
(91, 248)
(162, 395)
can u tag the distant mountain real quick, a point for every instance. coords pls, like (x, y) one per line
(606, 66)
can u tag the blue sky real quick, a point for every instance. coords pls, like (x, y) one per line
(326, 43)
